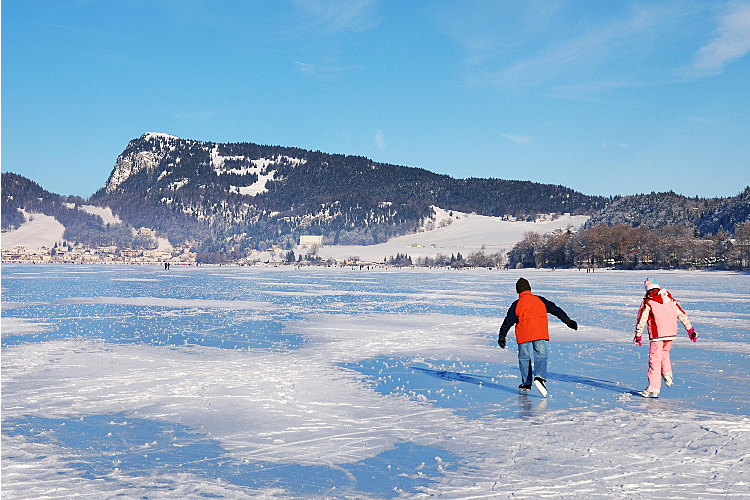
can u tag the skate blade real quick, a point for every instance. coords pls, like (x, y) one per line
(541, 388)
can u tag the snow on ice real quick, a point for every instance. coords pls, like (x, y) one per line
(338, 383)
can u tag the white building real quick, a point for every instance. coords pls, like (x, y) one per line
(310, 240)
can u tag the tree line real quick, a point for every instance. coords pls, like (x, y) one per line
(626, 247)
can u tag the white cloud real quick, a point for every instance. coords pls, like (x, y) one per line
(380, 139)
(592, 89)
(321, 71)
(590, 49)
(525, 44)
(307, 68)
(521, 140)
(731, 42)
(573, 54)
(341, 15)
(706, 121)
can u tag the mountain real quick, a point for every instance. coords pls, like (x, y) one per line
(706, 216)
(225, 199)
(233, 196)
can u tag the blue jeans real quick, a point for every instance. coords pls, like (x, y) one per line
(540, 360)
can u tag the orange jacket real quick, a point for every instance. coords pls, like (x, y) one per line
(529, 314)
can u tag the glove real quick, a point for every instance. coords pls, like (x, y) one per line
(501, 342)
(572, 324)
(637, 340)
(693, 335)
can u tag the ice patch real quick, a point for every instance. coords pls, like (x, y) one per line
(169, 302)
(19, 326)
(116, 448)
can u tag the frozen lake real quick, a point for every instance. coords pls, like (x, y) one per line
(226, 382)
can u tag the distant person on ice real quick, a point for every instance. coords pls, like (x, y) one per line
(529, 314)
(660, 312)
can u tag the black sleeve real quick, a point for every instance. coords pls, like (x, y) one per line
(554, 310)
(510, 320)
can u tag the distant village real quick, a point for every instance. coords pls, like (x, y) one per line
(65, 252)
(70, 253)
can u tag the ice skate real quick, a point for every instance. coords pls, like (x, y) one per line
(667, 379)
(540, 384)
(649, 392)
(524, 389)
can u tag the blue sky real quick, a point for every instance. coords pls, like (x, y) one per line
(605, 97)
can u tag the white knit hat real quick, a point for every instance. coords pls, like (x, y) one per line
(650, 284)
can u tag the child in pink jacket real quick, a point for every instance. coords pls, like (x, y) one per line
(660, 312)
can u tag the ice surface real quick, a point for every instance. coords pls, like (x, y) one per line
(339, 383)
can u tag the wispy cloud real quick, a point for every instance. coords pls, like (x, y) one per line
(731, 41)
(521, 140)
(618, 144)
(380, 139)
(323, 72)
(591, 90)
(341, 15)
(203, 114)
(706, 121)
(567, 51)
(590, 51)
(486, 29)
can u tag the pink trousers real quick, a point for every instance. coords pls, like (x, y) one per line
(658, 362)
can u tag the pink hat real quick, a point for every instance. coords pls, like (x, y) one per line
(650, 284)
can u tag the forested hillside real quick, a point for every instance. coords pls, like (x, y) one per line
(225, 200)
(232, 197)
(707, 216)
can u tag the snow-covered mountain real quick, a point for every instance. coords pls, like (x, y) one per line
(227, 199)
(233, 196)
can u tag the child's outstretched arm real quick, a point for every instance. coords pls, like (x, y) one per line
(683, 317)
(557, 311)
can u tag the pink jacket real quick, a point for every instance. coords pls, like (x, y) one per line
(660, 312)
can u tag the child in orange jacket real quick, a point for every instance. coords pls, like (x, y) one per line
(529, 314)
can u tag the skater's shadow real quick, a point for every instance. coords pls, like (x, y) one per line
(593, 382)
(481, 380)
(486, 381)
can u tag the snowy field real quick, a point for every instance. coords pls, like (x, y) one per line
(38, 231)
(217, 382)
(464, 234)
